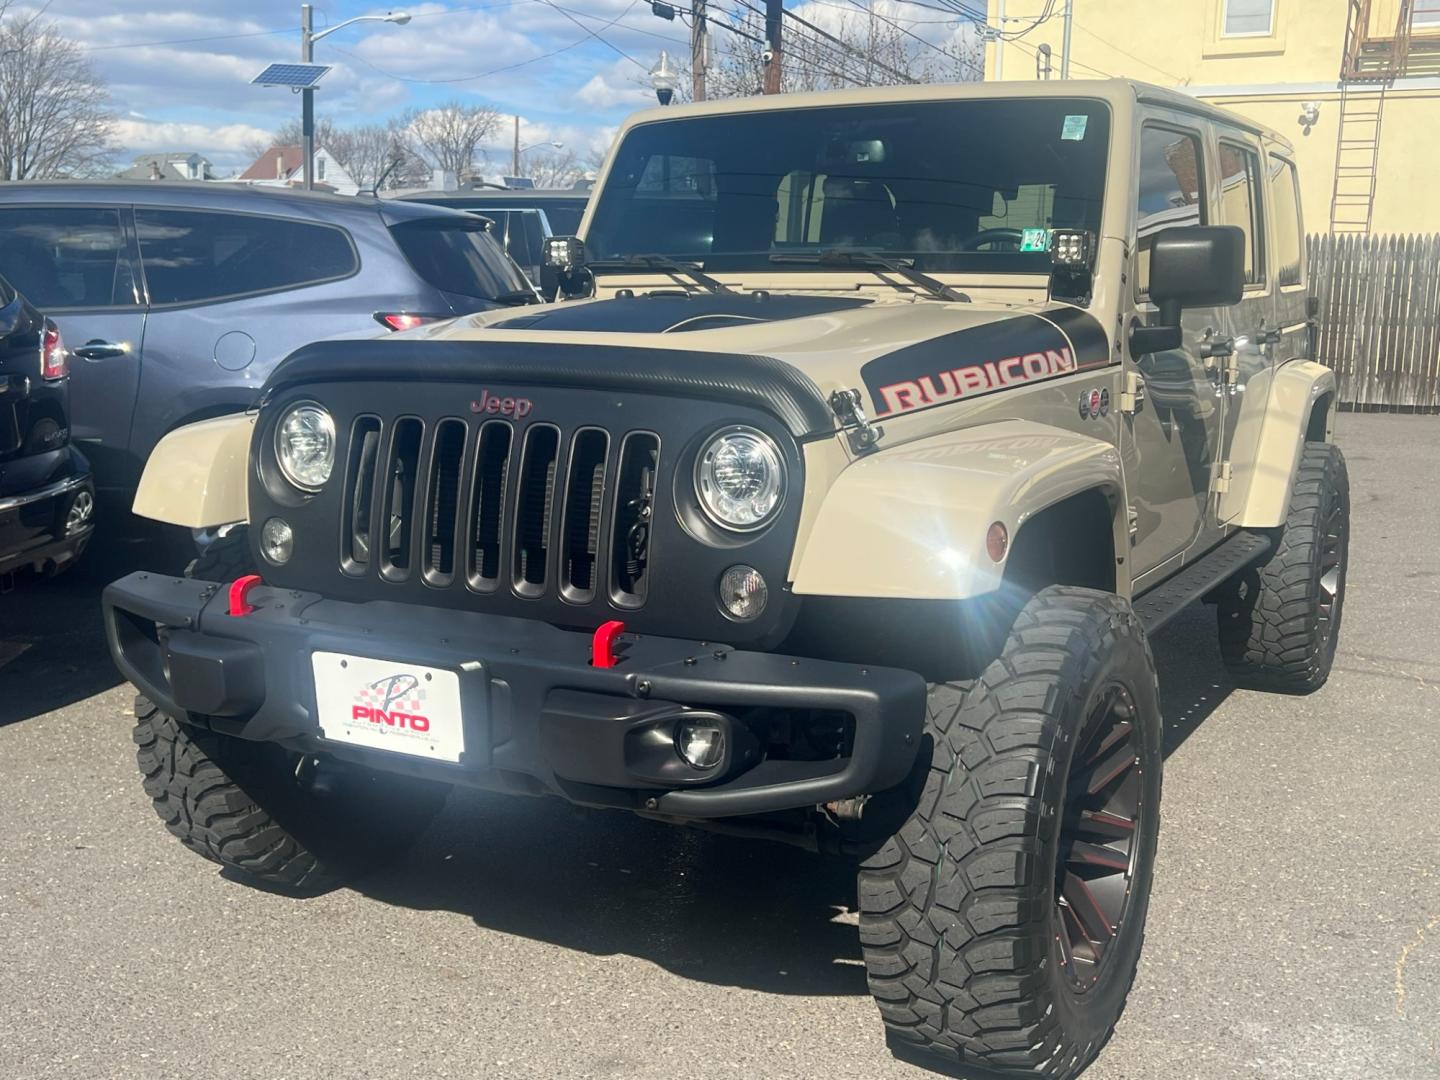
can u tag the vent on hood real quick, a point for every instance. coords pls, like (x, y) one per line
(666, 312)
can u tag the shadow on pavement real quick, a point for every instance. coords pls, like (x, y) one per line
(712, 908)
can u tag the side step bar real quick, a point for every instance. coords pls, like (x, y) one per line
(1159, 605)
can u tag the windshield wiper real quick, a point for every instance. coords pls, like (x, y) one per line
(664, 262)
(872, 260)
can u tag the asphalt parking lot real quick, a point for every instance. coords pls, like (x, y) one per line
(1294, 931)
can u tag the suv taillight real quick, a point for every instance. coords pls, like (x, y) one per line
(404, 320)
(54, 361)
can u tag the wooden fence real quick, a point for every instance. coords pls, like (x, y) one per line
(1380, 318)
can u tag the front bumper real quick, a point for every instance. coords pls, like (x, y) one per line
(537, 716)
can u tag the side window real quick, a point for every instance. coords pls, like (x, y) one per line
(194, 256)
(1289, 234)
(1172, 186)
(64, 257)
(1240, 204)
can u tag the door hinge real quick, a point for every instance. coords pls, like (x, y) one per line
(1132, 396)
(862, 434)
(1134, 523)
(1220, 477)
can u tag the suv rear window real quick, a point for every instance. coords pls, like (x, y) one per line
(196, 256)
(459, 257)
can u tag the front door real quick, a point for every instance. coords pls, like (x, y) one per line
(1172, 440)
(76, 264)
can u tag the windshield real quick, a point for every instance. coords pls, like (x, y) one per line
(951, 185)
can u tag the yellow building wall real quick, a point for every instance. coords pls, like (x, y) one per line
(1178, 43)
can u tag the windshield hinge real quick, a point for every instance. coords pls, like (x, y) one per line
(862, 434)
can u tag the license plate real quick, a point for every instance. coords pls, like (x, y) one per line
(389, 705)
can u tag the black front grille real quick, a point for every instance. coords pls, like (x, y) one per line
(539, 511)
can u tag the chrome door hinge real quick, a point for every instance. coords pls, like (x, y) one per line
(1132, 394)
(862, 434)
(1220, 477)
(1134, 522)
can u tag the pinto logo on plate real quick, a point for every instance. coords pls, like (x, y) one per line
(394, 701)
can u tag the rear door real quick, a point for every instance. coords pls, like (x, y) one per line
(77, 265)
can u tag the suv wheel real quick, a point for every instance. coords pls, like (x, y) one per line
(274, 816)
(1002, 922)
(1280, 622)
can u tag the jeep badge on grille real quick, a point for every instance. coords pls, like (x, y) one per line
(487, 402)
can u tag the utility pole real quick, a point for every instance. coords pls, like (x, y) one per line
(699, 46)
(1069, 18)
(515, 158)
(774, 16)
(307, 97)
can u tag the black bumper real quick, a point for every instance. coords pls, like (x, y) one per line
(35, 530)
(537, 716)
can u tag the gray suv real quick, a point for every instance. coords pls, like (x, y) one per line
(178, 299)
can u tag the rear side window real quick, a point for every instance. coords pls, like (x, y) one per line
(1285, 203)
(66, 257)
(1172, 186)
(1240, 204)
(459, 257)
(194, 256)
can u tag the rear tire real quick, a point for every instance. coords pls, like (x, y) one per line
(244, 805)
(1280, 621)
(967, 916)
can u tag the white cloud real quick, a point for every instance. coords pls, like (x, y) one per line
(621, 85)
(226, 146)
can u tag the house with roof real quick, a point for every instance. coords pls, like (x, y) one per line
(168, 165)
(282, 166)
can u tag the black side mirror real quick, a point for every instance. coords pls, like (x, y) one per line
(1192, 266)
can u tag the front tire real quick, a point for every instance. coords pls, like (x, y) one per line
(1002, 922)
(1280, 622)
(275, 817)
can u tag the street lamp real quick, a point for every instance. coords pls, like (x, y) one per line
(308, 37)
(662, 78)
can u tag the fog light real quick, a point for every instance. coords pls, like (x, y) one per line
(743, 592)
(700, 742)
(277, 542)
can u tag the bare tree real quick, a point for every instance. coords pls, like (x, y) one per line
(553, 168)
(53, 115)
(449, 136)
(871, 45)
(370, 152)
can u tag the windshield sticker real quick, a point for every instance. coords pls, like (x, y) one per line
(1074, 129)
(1035, 240)
(984, 359)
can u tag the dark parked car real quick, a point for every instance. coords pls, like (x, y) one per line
(47, 500)
(177, 299)
(523, 218)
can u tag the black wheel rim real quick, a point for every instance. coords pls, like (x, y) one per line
(1332, 569)
(1100, 839)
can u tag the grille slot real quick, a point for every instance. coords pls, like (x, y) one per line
(359, 495)
(443, 501)
(535, 503)
(398, 488)
(634, 508)
(492, 472)
(584, 502)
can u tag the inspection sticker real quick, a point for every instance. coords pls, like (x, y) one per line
(1074, 129)
(1035, 240)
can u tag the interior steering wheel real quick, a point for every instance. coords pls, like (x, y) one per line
(994, 240)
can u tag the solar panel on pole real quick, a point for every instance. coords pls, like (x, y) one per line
(295, 76)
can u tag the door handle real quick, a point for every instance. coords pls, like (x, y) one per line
(101, 350)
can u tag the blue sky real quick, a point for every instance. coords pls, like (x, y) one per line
(179, 71)
(171, 91)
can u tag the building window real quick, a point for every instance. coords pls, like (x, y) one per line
(1247, 18)
(320, 168)
(1427, 14)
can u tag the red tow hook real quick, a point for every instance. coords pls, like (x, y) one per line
(603, 653)
(240, 594)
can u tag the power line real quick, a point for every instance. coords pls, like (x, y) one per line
(847, 47)
(870, 10)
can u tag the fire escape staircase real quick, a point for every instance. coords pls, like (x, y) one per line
(1368, 69)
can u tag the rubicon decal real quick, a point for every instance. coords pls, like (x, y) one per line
(983, 359)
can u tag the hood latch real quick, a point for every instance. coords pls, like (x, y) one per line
(862, 434)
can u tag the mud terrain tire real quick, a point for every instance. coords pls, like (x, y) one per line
(1280, 621)
(240, 804)
(963, 909)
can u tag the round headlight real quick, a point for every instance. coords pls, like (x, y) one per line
(305, 445)
(740, 478)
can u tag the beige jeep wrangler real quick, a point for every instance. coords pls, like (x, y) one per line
(836, 503)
